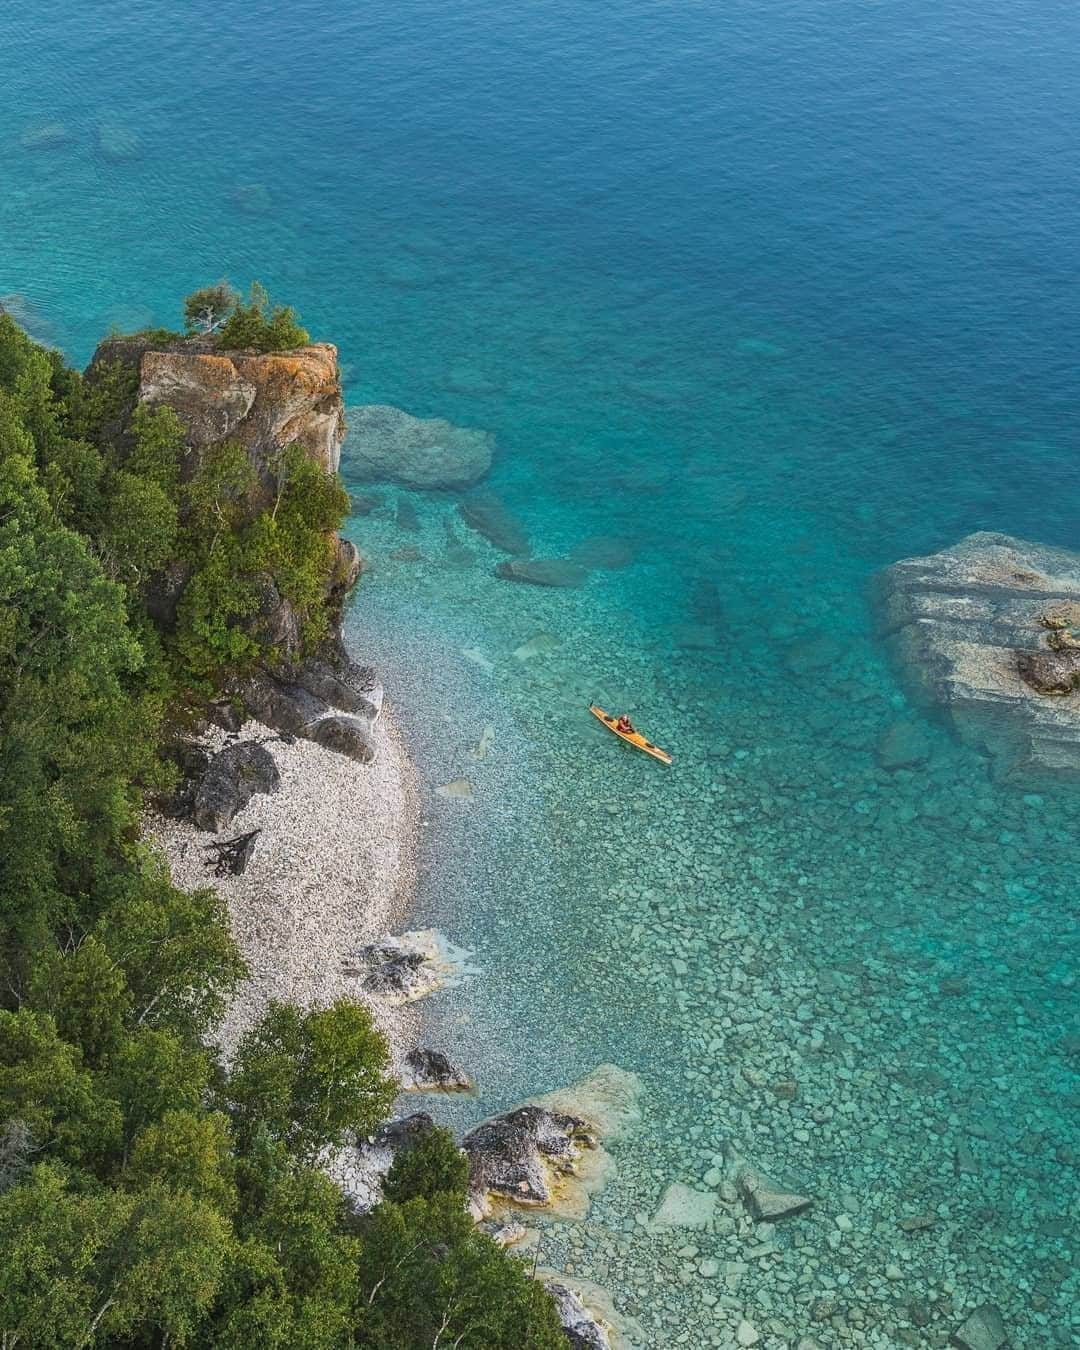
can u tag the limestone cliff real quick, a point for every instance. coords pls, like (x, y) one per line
(260, 400)
(263, 402)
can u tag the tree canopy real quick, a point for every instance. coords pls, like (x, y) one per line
(149, 1194)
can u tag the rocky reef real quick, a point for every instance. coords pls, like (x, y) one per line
(388, 445)
(983, 632)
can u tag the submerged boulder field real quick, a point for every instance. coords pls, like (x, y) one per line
(983, 632)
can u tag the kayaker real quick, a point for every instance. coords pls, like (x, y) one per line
(625, 726)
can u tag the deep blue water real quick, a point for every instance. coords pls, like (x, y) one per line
(781, 292)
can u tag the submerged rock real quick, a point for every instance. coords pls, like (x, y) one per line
(118, 142)
(231, 780)
(583, 1331)
(428, 1070)
(488, 515)
(972, 629)
(983, 1330)
(388, 445)
(903, 746)
(767, 1200)
(603, 551)
(542, 571)
(45, 136)
(683, 1207)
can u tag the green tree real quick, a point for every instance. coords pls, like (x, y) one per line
(261, 325)
(207, 308)
(434, 1165)
(309, 1079)
(427, 1277)
(187, 1151)
(44, 1084)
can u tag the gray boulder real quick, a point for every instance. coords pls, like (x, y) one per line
(387, 445)
(979, 631)
(514, 1155)
(766, 1199)
(983, 1330)
(391, 967)
(233, 777)
(345, 735)
(582, 1330)
(432, 1071)
(488, 515)
(542, 571)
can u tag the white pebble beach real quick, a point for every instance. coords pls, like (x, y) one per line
(334, 867)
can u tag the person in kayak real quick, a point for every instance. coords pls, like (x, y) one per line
(625, 726)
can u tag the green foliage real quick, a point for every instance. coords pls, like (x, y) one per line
(434, 1165)
(428, 1277)
(209, 306)
(260, 325)
(147, 1196)
(309, 1079)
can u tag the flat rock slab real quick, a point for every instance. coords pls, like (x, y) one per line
(488, 515)
(983, 1330)
(684, 1207)
(970, 631)
(389, 445)
(542, 571)
(766, 1200)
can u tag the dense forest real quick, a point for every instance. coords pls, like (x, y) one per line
(150, 1196)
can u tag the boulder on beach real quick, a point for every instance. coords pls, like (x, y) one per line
(385, 444)
(488, 515)
(408, 967)
(232, 778)
(981, 632)
(345, 735)
(427, 1070)
(519, 1155)
(542, 571)
(548, 1151)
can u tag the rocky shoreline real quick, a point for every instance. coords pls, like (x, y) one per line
(333, 867)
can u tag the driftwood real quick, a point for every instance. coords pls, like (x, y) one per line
(229, 857)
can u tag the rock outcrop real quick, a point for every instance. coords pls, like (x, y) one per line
(232, 778)
(260, 400)
(516, 1155)
(981, 631)
(386, 444)
(264, 402)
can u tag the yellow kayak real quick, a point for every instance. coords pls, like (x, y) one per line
(634, 738)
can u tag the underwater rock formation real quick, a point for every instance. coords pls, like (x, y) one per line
(981, 631)
(488, 515)
(542, 571)
(388, 445)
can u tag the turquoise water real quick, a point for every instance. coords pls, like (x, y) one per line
(779, 293)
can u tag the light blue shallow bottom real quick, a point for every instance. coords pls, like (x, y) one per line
(778, 295)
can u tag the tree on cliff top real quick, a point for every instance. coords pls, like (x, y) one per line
(206, 309)
(238, 324)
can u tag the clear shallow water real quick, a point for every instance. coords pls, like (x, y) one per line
(781, 293)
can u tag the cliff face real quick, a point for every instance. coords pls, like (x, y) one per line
(261, 401)
(264, 402)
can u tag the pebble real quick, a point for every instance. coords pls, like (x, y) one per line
(746, 1333)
